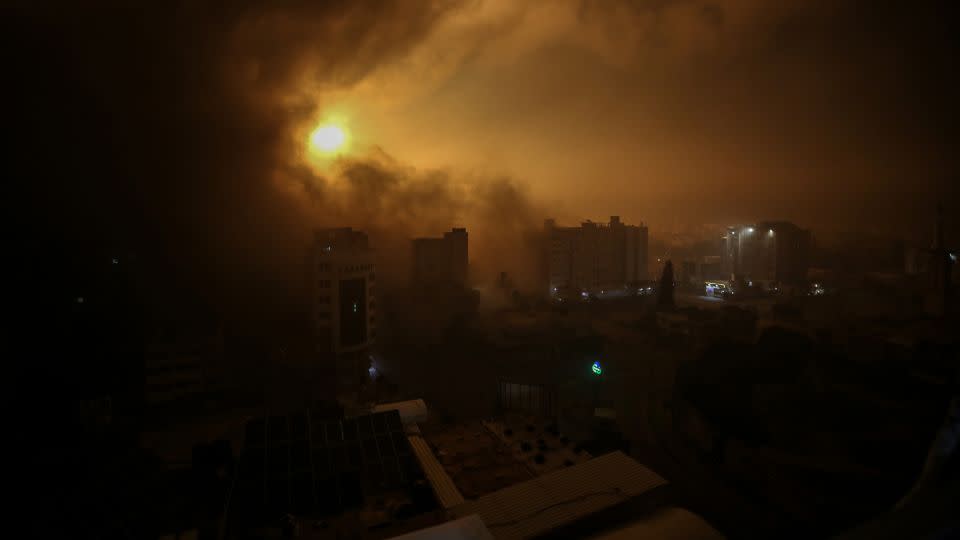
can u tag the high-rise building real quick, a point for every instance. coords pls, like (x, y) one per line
(441, 261)
(771, 252)
(344, 305)
(595, 257)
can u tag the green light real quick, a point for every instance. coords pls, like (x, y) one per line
(597, 370)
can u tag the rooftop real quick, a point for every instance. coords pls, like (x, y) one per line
(560, 498)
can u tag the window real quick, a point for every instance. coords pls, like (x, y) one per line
(372, 277)
(324, 283)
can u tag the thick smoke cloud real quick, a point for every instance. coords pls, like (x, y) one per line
(691, 111)
(168, 130)
(394, 203)
(171, 129)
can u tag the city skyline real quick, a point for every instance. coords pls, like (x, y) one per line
(484, 268)
(490, 115)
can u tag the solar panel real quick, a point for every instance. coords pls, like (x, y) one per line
(317, 466)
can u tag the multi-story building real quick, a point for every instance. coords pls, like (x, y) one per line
(181, 364)
(769, 253)
(344, 305)
(441, 261)
(595, 257)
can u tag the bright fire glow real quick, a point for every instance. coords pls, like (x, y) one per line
(328, 138)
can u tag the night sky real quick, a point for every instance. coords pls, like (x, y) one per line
(179, 131)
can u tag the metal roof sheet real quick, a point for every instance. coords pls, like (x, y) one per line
(466, 528)
(447, 493)
(552, 500)
(414, 410)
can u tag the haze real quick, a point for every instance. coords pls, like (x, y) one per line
(192, 124)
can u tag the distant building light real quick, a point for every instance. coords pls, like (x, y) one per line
(770, 232)
(583, 294)
(749, 229)
(597, 369)
(354, 307)
(79, 299)
(115, 260)
(372, 371)
(953, 257)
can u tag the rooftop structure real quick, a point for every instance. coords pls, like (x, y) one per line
(551, 501)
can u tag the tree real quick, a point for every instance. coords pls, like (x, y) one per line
(665, 288)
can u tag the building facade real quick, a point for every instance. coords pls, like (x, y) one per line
(769, 253)
(344, 302)
(594, 257)
(443, 260)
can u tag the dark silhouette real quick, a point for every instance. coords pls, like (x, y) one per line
(665, 288)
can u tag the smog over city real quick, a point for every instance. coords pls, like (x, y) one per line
(370, 269)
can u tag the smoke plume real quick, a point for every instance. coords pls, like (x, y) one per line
(170, 130)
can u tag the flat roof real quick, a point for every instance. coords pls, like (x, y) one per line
(556, 499)
(466, 528)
